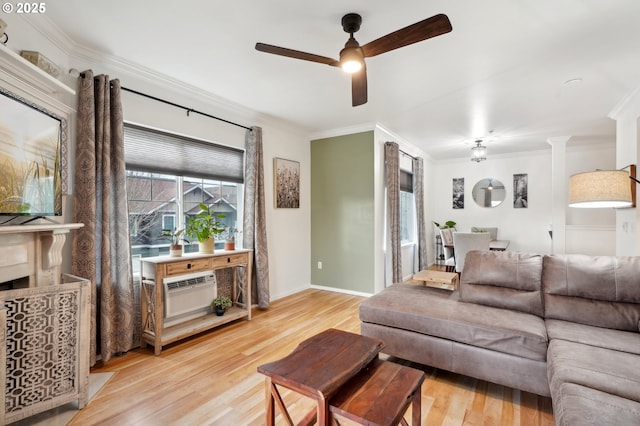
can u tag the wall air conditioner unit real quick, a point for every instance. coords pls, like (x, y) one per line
(188, 296)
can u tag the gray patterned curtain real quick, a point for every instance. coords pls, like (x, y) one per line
(418, 195)
(101, 250)
(392, 183)
(254, 222)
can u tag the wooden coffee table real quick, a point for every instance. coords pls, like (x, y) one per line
(438, 279)
(342, 372)
(380, 395)
(318, 368)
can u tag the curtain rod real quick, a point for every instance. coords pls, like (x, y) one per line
(189, 110)
(408, 155)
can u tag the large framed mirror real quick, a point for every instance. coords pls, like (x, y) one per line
(489, 192)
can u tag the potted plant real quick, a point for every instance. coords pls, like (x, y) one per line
(175, 237)
(220, 304)
(204, 227)
(447, 224)
(230, 238)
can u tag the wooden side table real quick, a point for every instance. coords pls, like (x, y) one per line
(380, 395)
(318, 368)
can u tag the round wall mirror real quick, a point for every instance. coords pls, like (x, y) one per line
(488, 192)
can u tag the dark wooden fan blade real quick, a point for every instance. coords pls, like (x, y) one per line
(423, 30)
(359, 87)
(296, 54)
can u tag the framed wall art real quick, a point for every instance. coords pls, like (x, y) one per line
(458, 193)
(520, 191)
(286, 183)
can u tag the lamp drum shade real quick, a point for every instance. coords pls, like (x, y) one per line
(600, 188)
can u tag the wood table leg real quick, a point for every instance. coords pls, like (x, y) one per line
(323, 412)
(416, 407)
(270, 408)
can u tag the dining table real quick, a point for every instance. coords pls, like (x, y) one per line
(499, 245)
(496, 245)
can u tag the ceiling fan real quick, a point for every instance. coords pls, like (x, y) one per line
(352, 56)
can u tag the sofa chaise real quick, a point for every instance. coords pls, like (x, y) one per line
(564, 326)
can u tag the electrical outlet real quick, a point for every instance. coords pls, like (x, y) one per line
(319, 265)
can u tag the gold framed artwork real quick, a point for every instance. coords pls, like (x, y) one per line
(286, 183)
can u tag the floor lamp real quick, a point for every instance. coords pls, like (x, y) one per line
(603, 188)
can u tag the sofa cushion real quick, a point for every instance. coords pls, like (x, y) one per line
(625, 341)
(439, 313)
(610, 371)
(503, 279)
(603, 291)
(579, 405)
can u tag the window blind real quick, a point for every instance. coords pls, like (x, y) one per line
(155, 151)
(406, 181)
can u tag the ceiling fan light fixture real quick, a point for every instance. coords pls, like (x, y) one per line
(352, 56)
(478, 152)
(351, 59)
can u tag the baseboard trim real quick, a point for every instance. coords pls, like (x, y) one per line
(341, 290)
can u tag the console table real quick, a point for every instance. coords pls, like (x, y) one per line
(155, 269)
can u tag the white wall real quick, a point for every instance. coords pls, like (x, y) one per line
(526, 228)
(287, 229)
(589, 231)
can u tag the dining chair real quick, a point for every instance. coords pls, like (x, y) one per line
(447, 248)
(491, 230)
(464, 242)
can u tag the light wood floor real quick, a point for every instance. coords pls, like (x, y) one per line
(211, 379)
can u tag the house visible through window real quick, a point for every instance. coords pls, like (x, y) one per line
(162, 194)
(169, 221)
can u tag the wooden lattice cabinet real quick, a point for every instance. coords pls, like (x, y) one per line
(44, 347)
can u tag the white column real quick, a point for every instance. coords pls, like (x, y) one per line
(626, 115)
(559, 182)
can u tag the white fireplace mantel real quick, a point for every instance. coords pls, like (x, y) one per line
(33, 253)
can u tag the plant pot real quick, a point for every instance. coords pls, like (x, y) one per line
(219, 311)
(229, 245)
(175, 250)
(206, 246)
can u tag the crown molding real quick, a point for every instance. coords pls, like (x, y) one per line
(630, 104)
(128, 71)
(83, 57)
(50, 31)
(343, 131)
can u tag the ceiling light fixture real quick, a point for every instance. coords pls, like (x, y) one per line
(478, 152)
(351, 57)
(603, 188)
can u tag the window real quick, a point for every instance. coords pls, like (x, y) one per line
(164, 197)
(169, 221)
(407, 201)
(407, 214)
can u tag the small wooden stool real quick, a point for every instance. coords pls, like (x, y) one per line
(380, 395)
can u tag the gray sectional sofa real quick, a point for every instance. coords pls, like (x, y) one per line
(564, 326)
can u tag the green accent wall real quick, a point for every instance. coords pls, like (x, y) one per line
(342, 212)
